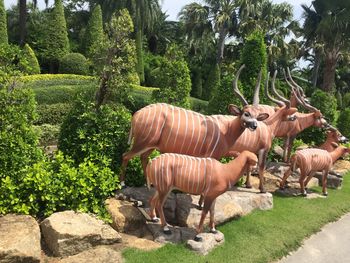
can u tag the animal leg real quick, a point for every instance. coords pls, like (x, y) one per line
(247, 180)
(324, 182)
(285, 149)
(212, 222)
(262, 161)
(311, 174)
(144, 160)
(206, 207)
(301, 182)
(161, 200)
(285, 176)
(153, 202)
(200, 202)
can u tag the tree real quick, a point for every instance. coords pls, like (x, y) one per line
(327, 25)
(29, 56)
(3, 24)
(255, 59)
(220, 16)
(22, 21)
(94, 32)
(116, 58)
(56, 43)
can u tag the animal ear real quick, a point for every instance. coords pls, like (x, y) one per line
(334, 144)
(234, 110)
(291, 111)
(262, 116)
(318, 113)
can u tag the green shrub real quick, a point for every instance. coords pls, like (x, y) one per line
(212, 82)
(52, 113)
(344, 122)
(199, 105)
(197, 84)
(152, 64)
(33, 64)
(18, 140)
(44, 80)
(174, 81)
(74, 63)
(255, 59)
(48, 134)
(222, 97)
(55, 185)
(3, 24)
(346, 100)
(95, 134)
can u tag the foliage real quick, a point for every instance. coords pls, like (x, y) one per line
(116, 60)
(174, 81)
(94, 33)
(197, 84)
(44, 80)
(56, 43)
(52, 113)
(48, 134)
(151, 68)
(29, 55)
(199, 105)
(18, 140)
(212, 83)
(95, 134)
(346, 100)
(74, 63)
(3, 24)
(254, 58)
(55, 185)
(222, 97)
(344, 121)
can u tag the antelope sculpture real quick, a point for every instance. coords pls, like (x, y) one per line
(205, 176)
(171, 129)
(260, 141)
(333, 136)
(312, 160)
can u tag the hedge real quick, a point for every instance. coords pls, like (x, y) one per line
(56, 79)
(52, 113)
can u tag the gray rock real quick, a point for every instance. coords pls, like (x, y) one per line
(68, 233)
(100, 254)
(332, 180)
(209, 241)
(178, 234)
(19, 239)
(124, 215)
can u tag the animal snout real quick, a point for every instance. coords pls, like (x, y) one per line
(343, 139)
(252, 125)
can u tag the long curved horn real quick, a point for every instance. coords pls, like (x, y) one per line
(235, 87)
(283, 99)
(256, 99)
(267, 94)
(301, 91)
(331, 128)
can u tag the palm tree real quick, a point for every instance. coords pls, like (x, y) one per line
(203, 21)
(22, 21)
(327, 27)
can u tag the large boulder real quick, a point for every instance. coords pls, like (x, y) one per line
(333, 181)
(100, 254)
(341, 166)
(68, 233)
(19, 239)
(125, 216)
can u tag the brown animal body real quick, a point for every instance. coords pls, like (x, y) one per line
(205, 176)
(172, 129)
(310, 161)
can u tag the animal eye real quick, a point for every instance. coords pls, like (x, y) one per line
(246, 114)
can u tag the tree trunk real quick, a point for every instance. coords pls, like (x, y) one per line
(221, 45)
(22, 21)
(316, 68)
(329, 70)
(138, 40)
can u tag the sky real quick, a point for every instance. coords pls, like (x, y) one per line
(172, 8)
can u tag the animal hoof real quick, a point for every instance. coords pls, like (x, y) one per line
(138, 203)
(167, 232)
(198, 239)
(199, 207)
(248, 186)
(304, 194)
(213, 231)
(155, 220)
(325, 194)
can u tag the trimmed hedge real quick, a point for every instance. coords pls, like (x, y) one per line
(43, 80)
(74, 63)
(52, 113)
(48, 134)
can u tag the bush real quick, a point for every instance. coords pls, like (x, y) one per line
(199, 105)
(74, 63)
(3, 24)
(174, 81)
(48, 134)
(18, 140)
(346, 100)
(87, 133)
(55, 185)
(344, 122)
(212, 82)
(44, 80)
(33, 64)
(52, 113)
(222, 97)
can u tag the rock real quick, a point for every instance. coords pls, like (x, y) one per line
(332, 180)
(296, 192)
(144, 243)
(341, 166)
(209, 241)
(100, 254)
(178, 234)
(68, 233)
(278, 150)
(19, 239)
(144, 194)
(188, 214)
(125, 216)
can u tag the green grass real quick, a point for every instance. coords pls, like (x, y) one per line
(262, 236)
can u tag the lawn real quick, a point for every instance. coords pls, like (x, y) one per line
(262, 236)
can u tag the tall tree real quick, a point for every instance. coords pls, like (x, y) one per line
(56, 42)
(94, 32)
(22, 21)
(327, 26)
(3, 24)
